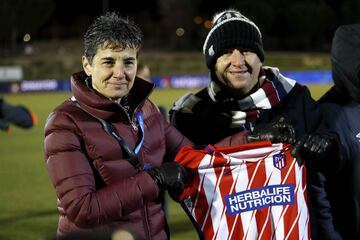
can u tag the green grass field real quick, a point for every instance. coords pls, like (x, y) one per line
(28, 202)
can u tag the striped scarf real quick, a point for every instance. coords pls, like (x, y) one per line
(245, 111)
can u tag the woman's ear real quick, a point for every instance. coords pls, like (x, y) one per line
(86, 66)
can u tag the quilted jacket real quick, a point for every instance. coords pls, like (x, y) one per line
(96, 186)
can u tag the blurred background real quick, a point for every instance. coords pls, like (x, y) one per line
(48, 33)
(41, 45)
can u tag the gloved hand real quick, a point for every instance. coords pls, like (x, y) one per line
(316, 147)
(170, 176)
(276, 133)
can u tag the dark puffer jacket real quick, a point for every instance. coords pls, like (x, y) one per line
(96, 186)
(339, 210)
(208, 122)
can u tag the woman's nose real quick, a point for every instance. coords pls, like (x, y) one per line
(119, 71)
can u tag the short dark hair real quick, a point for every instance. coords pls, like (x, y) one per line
(111, 31)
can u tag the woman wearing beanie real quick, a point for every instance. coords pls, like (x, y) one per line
(243, 95)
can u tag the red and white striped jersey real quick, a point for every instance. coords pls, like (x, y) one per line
(249, 191)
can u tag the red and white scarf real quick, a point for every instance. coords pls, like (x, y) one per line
(245, 111)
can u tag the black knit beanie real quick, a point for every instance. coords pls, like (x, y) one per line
(231, 29)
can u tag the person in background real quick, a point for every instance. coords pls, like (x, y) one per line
(143, 72)
(334, 149)
(108, 151)
(18, 115)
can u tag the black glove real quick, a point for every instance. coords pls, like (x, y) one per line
(315, 148)
(276, 133)
(170, 176)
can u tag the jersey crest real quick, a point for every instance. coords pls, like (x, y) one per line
(279, 161)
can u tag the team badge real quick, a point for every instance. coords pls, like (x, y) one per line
(279, 161)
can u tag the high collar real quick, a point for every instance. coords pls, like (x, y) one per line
(103, 107)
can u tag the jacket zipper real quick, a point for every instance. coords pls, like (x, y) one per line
(147, 227)
(135, 127)
(131, 119)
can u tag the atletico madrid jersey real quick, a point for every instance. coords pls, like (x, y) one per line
(249, 191)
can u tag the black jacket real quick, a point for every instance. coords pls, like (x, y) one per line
(339, 209)
(209, 121)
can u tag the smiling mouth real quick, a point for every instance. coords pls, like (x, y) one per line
(239, 72)
(119, 84)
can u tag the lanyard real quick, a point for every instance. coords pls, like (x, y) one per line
(140, 121)
(110, 129)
